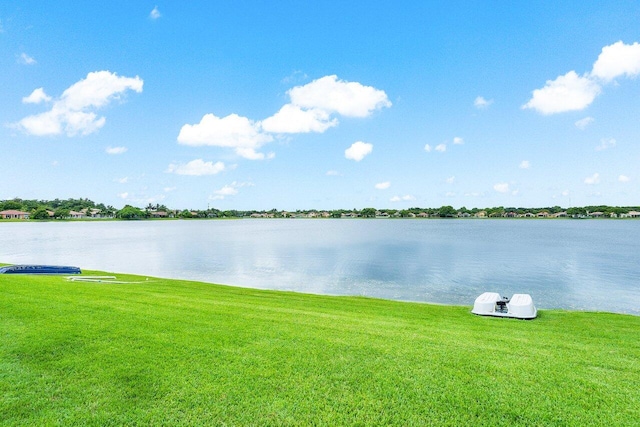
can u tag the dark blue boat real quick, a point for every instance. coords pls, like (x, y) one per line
(39, 269)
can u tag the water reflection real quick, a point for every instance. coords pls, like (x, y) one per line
(591, 265)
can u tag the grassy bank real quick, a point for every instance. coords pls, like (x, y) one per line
(176, 352)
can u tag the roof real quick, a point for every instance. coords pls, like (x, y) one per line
(13, 212)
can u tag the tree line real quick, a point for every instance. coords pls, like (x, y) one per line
(61, 209)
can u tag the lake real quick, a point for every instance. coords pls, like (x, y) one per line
(571, 264)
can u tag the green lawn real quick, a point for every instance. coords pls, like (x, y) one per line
(166, 352)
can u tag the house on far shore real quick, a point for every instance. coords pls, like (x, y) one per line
(13, 214)
(76, 215)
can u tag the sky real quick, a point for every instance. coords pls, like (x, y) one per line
(321, 105)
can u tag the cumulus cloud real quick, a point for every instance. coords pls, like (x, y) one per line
(406, 198)
(606, 143)
(169, 189)
(501, 187)
(349, 99)
(124, 195)
(525, 164)
(451, 180)
(196, 167)
(593, 179)
(36, 97)
(229, 190)
(617, 60)
(116, 150)
(71, 113)
(293, 119)
(457, 140)
(333, 173)
(358, 151)
(570, 92)
(441, 148)
(155, 13)
(232, 131)
(427, 148)
(122, 180)
(624, 178)
(583, 123)
(482, 103)
(311, 109)
(383, 185)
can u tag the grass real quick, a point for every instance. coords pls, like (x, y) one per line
(167, 352)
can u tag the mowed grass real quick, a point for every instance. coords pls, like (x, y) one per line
(167, 352)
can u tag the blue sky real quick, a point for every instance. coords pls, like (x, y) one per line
(299, 105)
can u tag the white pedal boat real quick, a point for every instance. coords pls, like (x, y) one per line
(520, 306)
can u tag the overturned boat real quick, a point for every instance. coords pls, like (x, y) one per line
(39, 269)
(520, 306)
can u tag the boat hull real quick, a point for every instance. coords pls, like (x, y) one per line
(520, 306)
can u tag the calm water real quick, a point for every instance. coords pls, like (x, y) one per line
(586, 265)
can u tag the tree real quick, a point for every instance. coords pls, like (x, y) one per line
(40, 213)
(447, 212)
(368, 213)
(130, 212)
(11, 205)
(61, 213)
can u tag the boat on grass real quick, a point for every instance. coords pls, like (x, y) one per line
(39, 269)
(519, 306)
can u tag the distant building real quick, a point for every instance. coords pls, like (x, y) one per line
(13, 214)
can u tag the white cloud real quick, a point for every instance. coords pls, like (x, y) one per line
(122, 180)
(525, 164)
(481, 103)
(169, 189)
(310, 110)
(69, 113)
(383, 185)
(155, 13)
(232, 131)
(406, 198)
(196, 167)
(333, 173)
(501, 187)
(624, 178)
(229, 190)
(293, 119)
(606, 143)
(116, 150)
(457, 140)
(36, 97)
(617, 60)
(358, 151)
(583, 123)
(350, 99)
(451, 180)
(26, 59)
(124, 195)
(441, 148)
(450, 194)
(427, 148)
(565, 193)
(570, 92)
(593, 179)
